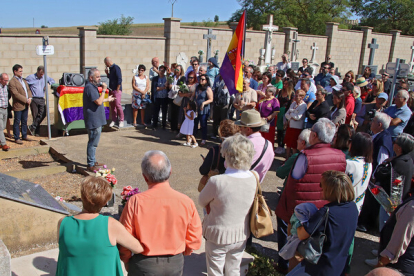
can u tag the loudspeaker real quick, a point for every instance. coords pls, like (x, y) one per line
(72, 79)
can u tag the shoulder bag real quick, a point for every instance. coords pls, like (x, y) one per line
(260, 214)
(205, 178)
(261, 156)
(311, 248)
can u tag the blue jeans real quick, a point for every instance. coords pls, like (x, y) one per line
(20, 116)
(281, 241)
(203, 122)
(94, 135)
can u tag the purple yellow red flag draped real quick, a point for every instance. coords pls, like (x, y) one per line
(231, 69)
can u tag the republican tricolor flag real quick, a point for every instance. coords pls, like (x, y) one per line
(231, 69)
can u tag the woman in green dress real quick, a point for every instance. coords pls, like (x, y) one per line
(87, 241)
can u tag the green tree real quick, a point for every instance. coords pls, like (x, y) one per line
(119, 26)
(386, 15)
(309, 16)
(216, 18)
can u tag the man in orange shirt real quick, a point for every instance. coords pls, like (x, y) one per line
(165, 221)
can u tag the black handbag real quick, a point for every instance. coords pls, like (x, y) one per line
(311, 248)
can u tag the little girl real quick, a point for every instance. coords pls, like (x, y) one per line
(188, 124)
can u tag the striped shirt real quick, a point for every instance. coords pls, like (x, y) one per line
(4, 96)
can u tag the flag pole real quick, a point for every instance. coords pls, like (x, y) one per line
(244, 38)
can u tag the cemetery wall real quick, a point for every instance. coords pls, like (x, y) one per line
(346, 50)
(382, 54)
(305, 44)
(402, 48)
(127, 53)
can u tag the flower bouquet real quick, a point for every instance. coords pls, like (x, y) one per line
(108, 175)
(170, 79)
(388, 202)
(127, 192)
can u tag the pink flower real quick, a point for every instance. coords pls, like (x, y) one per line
(104, 166)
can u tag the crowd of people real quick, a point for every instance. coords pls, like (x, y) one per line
(339, 139)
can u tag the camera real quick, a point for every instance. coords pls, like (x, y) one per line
(371, 114)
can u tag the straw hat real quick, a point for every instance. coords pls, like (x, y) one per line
(361, 82)
(250, 118)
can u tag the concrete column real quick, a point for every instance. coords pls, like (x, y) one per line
(395, 37)
(288, 37)
(88, 47)
(5, 260)
(172, 33)
(233, 26)
(332, 33)
(366, 39)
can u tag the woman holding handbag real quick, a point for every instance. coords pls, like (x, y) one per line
(226, 227)
(177, 79)
(332, 227)
(268, 108)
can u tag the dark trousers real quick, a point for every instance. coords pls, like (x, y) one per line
(280, 136)
(20, 116)
(175, 110)
(369, 212)
(141, 265)
(281, 241)
(163, 105)
(38, 108)
(203, 123)
(220, 113)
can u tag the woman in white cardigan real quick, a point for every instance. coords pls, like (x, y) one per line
(227, 199)
(295, 119)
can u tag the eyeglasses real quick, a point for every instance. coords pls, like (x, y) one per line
(141, 70)
(306, 75)
(177, 70)
(287, 79)
(374, 84)
(195, 63)
(347, 76)
(278, 75)
(304, 61)
(326, 68)
(202, 79)
(190, 78)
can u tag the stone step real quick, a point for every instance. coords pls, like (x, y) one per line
(44, 263)
(40, 171)
(23, 152)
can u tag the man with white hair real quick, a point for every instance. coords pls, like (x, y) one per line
(4, 103)
(303, 183)
(245, 100)
(248, 73)
(399, 112)
(94, 115)
(382, 150)
(165, 222)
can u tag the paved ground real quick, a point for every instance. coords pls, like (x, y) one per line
(124, 150)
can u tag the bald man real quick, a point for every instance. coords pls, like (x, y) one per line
(113, 72)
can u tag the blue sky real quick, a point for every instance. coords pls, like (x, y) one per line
(64, 13)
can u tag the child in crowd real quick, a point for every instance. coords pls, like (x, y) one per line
(301, 215)
(188, 124)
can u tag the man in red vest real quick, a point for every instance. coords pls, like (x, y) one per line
(303, 183)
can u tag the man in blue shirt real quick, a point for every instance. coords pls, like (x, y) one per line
(94, 115)
(324, 77)
(115, 84)
(310, 97)
(399, 112)
(248, 73)
(38, 105)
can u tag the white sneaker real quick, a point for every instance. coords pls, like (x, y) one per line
(186, 144)
(112, 124)
(195, 145)
(374, 252)
(371, 262)
(121, 124)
